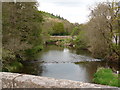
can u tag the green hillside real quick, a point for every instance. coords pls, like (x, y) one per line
(46, 14)
(55, 25)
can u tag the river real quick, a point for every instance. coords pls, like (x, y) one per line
(64, 63)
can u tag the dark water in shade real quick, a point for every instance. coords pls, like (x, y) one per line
(64, 63)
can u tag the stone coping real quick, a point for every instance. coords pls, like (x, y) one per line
(15, 80)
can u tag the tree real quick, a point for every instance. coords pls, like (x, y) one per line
(77, 28)
(103, 29)
(50, 20)
(21, 27)
(58, 29)
(75, 31)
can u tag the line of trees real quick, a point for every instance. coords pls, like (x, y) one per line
(102, 32)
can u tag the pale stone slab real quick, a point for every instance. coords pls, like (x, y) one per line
(14, 80)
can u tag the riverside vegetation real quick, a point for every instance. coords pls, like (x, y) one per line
(106, 77)
(26, 30)
(21, 33)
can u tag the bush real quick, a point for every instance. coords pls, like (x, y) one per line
(7, 55)
(79, 43)
(32, 53)
(13, 67)
(106, 77)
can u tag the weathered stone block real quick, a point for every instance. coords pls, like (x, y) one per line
(14, 80)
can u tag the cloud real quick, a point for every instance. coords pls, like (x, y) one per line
(68, 4)
(72, 10)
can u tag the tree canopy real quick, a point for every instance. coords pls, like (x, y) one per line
(21, 29)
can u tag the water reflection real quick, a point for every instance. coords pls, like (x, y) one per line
(65, 50)
(33, 68)
(68, 71)
(62, 55)
(64, 63)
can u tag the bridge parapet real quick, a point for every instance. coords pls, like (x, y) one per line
(15, 80)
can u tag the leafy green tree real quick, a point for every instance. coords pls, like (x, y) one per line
(21, 29)
(58, 29)
(75, 31)
(49, 22)
(21, 21)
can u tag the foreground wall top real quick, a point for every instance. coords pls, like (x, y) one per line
(18, 0)
(15, 80)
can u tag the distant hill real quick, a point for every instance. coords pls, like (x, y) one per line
(46, 14)
(52, 21)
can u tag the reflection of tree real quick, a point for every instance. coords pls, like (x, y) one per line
(112, 65)
(83, 52)
(72, 50)
(47, 48)
(33, 68)
(53, 47)
(91, 67)
(80, 52)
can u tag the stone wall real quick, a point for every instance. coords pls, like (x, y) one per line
(15, 80)
(0, 84)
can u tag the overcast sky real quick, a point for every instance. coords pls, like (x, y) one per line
(72, 10)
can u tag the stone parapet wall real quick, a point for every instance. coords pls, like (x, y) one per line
(0, 84)
(15, 80)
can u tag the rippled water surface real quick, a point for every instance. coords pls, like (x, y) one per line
(64, 63)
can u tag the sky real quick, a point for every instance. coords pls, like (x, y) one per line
(75, 11)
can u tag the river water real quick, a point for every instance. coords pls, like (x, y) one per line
(64, 63)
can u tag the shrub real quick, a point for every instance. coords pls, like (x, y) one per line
(32, 53)
(106, 77)
(13, 67)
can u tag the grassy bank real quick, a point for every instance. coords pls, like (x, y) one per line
(106, 77)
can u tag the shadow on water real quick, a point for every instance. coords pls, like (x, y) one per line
(65, 63)
(32, 68)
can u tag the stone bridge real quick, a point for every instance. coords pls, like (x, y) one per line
(15, 80)
(60, 37)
